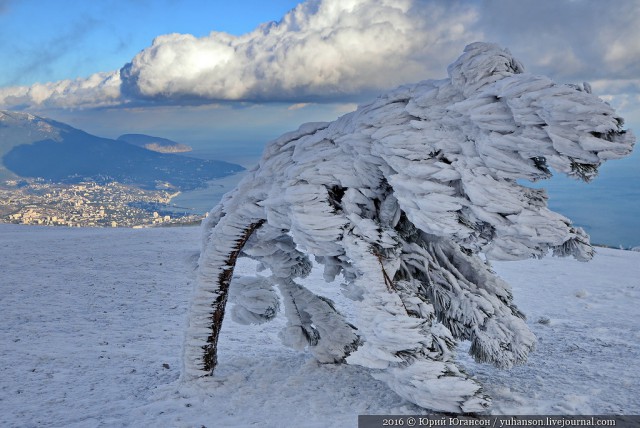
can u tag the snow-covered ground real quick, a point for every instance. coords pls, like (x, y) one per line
(93, 323)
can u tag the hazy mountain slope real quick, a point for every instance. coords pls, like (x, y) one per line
(31, 146)
(156, 144)
(23, 128)
(94, 321)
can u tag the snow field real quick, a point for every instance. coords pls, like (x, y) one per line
(93, 324)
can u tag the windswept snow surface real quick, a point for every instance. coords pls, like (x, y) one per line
(93, 325)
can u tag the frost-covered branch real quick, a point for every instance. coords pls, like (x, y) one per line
(408, 198)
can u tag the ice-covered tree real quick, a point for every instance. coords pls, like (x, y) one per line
(408, 198)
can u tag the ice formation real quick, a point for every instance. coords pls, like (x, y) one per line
(408, 198)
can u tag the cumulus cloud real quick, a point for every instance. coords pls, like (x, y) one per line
(98, 90)
(321, 49)
(337, 50)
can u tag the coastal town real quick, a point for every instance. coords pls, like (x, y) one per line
(88, 204)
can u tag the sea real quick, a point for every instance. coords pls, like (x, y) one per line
(607, 208)
(201, 201)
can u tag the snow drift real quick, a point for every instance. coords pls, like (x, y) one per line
(93, 328)
(408, 198)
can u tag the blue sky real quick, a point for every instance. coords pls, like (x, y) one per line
(45, 40)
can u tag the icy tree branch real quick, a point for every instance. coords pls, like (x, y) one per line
(407, 198)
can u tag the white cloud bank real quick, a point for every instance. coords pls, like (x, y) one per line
(322, 49)
(338, 49)
(98, 90)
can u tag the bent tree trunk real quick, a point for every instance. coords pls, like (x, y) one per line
(224, 279)
(216, 270)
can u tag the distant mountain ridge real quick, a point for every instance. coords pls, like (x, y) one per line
(156, 144)
(37, 147)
